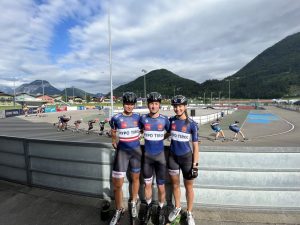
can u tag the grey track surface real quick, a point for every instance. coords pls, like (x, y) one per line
(24, 205)
(258, 134)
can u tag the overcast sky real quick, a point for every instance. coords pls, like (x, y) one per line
(66, 41)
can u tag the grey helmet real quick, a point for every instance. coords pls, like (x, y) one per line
(129, 97)
(179, 100)
(154, 97)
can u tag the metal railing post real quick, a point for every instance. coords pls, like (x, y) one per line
(27, 162)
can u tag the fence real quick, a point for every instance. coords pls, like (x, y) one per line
(243, 177)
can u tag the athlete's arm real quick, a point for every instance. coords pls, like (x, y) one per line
(167, 135)
(114, 138)
(195, 146)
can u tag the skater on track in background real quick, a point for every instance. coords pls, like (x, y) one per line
(215, 126)
(63, 122)
(77, 124)
(90, 124)
(183, 157)
(39, 110)
(237, 130)
(102, 125)
(154, 126)
(128, 153)
(25, 109)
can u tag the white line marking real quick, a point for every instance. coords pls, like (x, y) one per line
(284, 132)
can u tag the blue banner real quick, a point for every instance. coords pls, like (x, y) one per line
(81, 108)
(50, 109)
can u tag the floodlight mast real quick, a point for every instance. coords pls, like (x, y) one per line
(110, 65)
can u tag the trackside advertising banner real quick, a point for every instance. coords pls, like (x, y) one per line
(50, 109)
(61, 109)
(12, 112)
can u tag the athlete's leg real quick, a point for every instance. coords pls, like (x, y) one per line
(189, 194)
(161, 193)
(241, 133)
(135, 185)
(160, 171)
(118, 193)
(222, 133)
(135, 165)
(176, 189)
(174, 173)
(119, 171)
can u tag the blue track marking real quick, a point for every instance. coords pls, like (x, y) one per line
(263, 118)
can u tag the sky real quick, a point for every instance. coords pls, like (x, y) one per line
(66, 42)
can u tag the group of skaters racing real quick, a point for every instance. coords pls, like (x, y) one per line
(63, 123)
(127, 130)
(234, 127)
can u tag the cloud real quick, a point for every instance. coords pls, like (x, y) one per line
(199, 40)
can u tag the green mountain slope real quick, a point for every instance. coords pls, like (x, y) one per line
(272, 74)
(77, 92)
(163, 81)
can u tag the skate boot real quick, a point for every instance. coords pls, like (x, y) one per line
(118, 214)
(190, 219)
(160, 216)
(174, 214)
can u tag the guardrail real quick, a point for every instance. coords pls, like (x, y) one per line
(243, 177)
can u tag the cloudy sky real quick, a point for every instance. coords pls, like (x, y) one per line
(66, 41)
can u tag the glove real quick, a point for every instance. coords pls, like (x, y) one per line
(194, 172)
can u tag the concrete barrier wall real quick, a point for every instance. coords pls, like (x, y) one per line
(243, 177)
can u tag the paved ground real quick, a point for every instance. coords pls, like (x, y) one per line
(270, 127)
(32, 206)
(22, 205)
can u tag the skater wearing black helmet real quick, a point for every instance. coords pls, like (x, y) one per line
(128, 152)
(182, 157)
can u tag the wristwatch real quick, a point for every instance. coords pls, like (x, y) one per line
(195, 164)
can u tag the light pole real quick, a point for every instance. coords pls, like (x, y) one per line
(145, 93)
(14, 92)
(73, 94)
(219, 97)
(66, 94)
(228, 91)
(43, 89)
(204, 99)
(211, 93)
(110, 65)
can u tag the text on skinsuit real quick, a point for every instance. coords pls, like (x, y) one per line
(129, 132)
(154, 135)
(180, 136)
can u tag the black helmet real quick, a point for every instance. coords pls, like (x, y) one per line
(179, 100)
(154, 97)
(129, 97)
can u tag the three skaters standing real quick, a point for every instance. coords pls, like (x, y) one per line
(155, 128)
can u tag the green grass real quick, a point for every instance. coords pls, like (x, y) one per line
(10, 107)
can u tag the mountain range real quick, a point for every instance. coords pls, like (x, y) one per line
(36, 88)
(274, 73)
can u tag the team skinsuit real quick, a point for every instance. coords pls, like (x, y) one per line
(154, 127)
(215, 126)
(236, 129)
(128, 151)
(181, 154)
